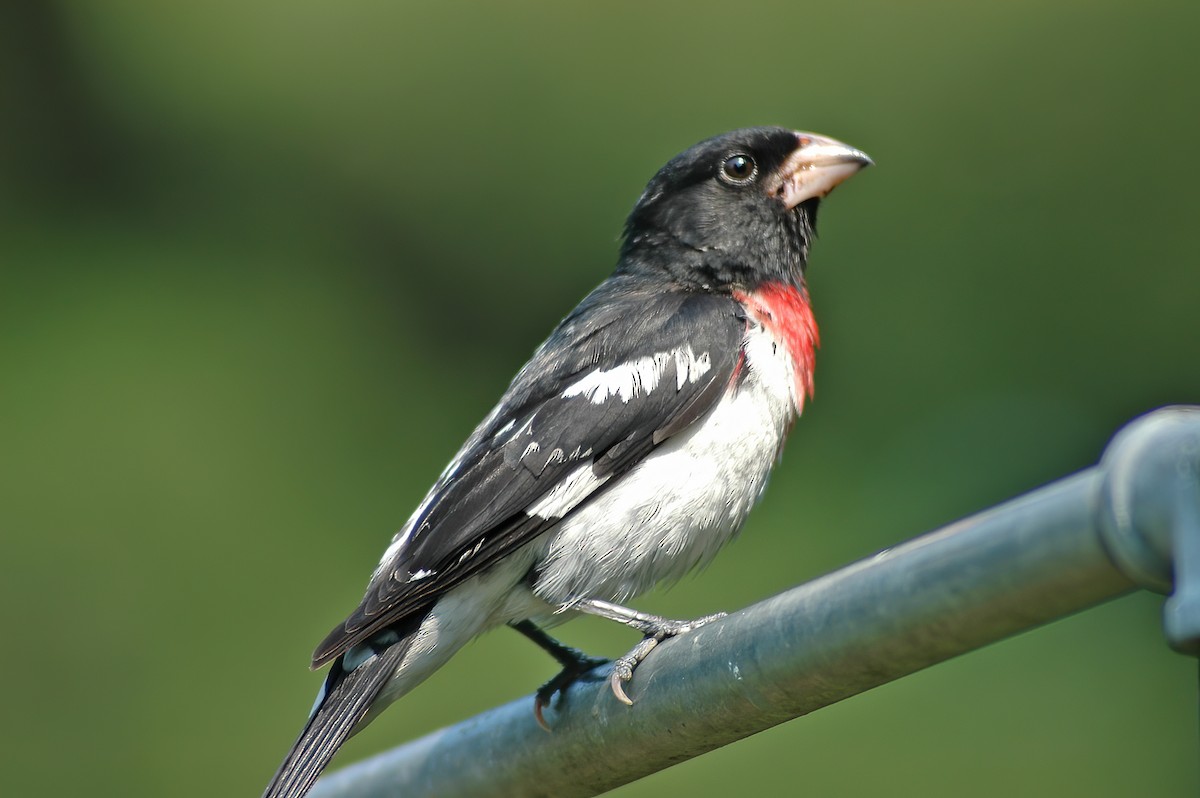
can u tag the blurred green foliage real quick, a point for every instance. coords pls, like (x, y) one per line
(264, 265)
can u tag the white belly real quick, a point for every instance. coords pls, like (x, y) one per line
(674, 510)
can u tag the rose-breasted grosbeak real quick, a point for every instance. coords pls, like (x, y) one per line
(627, 450)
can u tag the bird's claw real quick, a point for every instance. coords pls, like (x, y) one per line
(540, 703)
(659, 630)
(622, 672)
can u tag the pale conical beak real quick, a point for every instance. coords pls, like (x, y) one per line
(817, 167)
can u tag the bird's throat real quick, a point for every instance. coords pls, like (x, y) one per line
(785, 313)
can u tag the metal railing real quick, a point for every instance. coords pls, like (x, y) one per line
(1133, 521)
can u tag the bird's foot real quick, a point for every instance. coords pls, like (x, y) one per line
(573, 670)
(654, 628)
(575, 665)
(662, 628)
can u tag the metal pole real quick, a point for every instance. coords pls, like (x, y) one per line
(1058, 550)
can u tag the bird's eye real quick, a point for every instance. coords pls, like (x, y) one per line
(739, 169)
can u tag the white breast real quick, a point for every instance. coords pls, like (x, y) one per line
(675, 509)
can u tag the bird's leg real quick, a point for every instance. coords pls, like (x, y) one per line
(574, 665)
(655, 628)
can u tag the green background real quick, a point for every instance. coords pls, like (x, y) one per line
(265, 264)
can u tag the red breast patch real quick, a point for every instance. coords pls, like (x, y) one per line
(784, 312)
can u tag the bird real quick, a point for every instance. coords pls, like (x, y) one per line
(623, 455)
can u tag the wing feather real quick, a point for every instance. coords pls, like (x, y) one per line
(629, 368)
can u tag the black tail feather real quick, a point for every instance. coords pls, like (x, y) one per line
(346, 699)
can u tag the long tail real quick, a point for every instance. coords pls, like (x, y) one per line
(345, 701)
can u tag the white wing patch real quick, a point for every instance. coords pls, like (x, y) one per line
(640, 377)
(567, 494)
(689, 367)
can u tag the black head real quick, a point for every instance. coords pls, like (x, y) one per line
(736, 210)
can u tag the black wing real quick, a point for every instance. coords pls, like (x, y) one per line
(627, 369)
